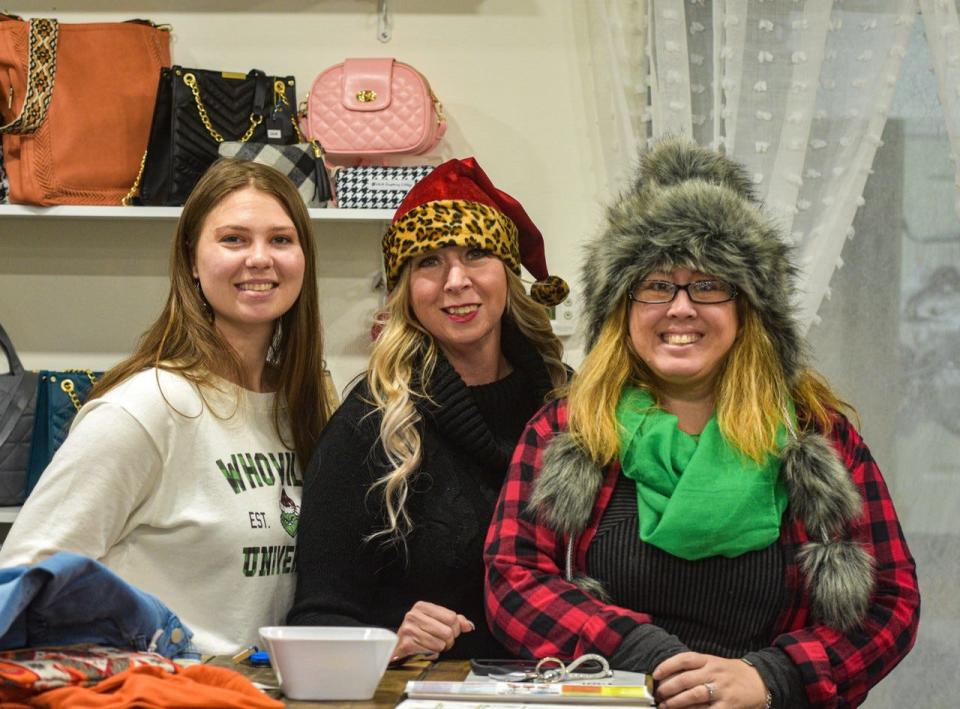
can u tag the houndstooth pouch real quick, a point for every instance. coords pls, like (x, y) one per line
(299, 162)
(373, 187)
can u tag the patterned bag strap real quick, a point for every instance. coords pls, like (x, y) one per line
(41, 70)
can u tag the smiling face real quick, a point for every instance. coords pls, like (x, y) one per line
(458, 294)
(684, 343)
(250, 264)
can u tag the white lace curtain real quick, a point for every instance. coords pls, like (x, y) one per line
(796, 90)
(941, 21)
(618, 38)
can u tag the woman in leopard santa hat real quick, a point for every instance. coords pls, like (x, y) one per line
(402, 485)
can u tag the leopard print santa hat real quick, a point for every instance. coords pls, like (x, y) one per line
(458, 205)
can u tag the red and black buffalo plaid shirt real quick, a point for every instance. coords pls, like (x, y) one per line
(534, 612)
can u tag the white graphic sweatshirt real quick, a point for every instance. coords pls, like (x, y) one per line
(196, 503)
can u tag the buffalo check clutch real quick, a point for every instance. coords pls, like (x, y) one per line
(299, 162)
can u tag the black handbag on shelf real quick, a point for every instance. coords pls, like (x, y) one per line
(196, 110)
(18, 392)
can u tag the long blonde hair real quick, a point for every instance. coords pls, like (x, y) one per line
(183, 338)
(403, 345)
(752, 391)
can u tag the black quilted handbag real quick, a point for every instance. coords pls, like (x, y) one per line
(18, 393)
(198, 109)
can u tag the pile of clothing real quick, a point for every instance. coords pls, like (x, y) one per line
(73, 633)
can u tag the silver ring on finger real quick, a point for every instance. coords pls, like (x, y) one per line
(711, 691)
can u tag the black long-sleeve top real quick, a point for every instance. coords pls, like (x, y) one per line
(468, 435)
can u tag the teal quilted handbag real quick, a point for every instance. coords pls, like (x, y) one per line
(59, 397)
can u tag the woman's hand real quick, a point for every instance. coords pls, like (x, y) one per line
(429, 629)
(686, 680)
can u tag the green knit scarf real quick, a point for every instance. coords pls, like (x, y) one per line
(697, 496)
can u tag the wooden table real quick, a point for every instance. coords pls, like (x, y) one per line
(389, 690)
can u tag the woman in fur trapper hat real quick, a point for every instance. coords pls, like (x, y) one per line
(400, 491)
(697, 507)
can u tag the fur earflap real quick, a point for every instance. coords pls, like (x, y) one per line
(840, 577)
(839, 573)
(691, 207)
(567, 487)
(822, 495)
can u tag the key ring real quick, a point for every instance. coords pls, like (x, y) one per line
(563, 672)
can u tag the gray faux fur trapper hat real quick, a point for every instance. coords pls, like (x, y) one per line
(693, 207)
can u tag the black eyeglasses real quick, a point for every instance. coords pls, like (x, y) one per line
(657, 292)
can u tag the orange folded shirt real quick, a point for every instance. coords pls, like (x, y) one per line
(200, 686)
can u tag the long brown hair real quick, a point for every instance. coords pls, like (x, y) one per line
(183, 338)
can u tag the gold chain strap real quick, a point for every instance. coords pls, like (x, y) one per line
(317, 150)
(66, 385)
(191, 81)
(280, 94)
(128, 197)
(437, 107)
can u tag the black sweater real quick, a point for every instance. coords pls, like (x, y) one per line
(468, 435)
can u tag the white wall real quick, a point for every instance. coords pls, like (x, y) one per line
(513, 76)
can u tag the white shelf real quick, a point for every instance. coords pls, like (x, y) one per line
(8, 514)
(172, 213)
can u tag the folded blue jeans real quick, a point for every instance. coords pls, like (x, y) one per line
(69, 598)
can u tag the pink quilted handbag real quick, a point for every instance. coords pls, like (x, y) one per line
(373, 107)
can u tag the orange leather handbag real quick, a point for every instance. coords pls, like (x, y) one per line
(75, 106)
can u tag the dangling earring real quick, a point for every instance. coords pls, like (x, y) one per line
(204, 305)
